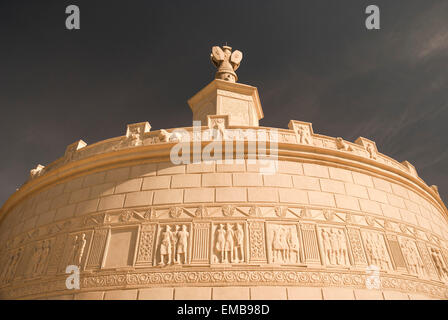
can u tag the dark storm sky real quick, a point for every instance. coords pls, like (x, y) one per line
(136, 61)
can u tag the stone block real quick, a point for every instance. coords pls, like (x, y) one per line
(79, 195)
(261, 194)
(346, 202)
(86, 207)
(396, 201)
(370, 206)
(400, 191)
(199, 195)
(332, 186)
(216, 179)
(395, 295)
(192, 293)
(231, 167)
(390, 211)
(231, 293)
(247, 179)
(140, 198)
(304, 293)
(128, 186)
(111, 202)
(102, 190)
(169, 168)
(321, 198)
(382, 184)
(186, 181)
(143, 170)
(94, 179)
(306, 183)
(95, 295)
(231, 194)
(338, 294)
(340, 174)
(65, 212)
(201, 167)
(355, 190)
(277, 180)
(290, 167)
(366, 294)
(159, 182)
(45, 218)
(293, 196)
(168, 196)
(118, 174)
(362, 179)
(315, 170)
(268, 293)
(377, 195)
(156, 294)
(60, 201)
(120, 295)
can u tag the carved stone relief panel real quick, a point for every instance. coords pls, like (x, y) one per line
(39, 258)
(359, 256)
(146, 244)
(76, 248)
(257, 242)
(310, 244)
(376, 250)
(397, 255)
(173, 244)
(10, 264)
(427, 261)
(120, 250)
(283, 243)
(439, 263)
(229, 242)
(97, 249)
(412, 257)
(201, 243)
(334, 245)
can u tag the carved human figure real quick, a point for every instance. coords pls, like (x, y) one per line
(276, 245)
(335, 247)
(371, 151)
(182, 244)
(230, 243)
(166, 246)
(327, 246)
(221, 242)
(413, 259)
(35, 259)
(45, 252)
(11, 266)
(439, 263)
(383, 256)
(220, 125)
(135, 137)
(239, 244)
(79, 244)
(293, 244)
(343, 251)
(342, 145)
(304, 135)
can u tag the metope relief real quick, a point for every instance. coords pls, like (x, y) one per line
(229, 243)
(412, 257)
(439, 263)
(9, 269)
(173, 245)
(39, 258)
(376, 250)
(283, 243)
(334, 246)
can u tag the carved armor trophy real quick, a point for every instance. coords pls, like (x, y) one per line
(227, 62)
